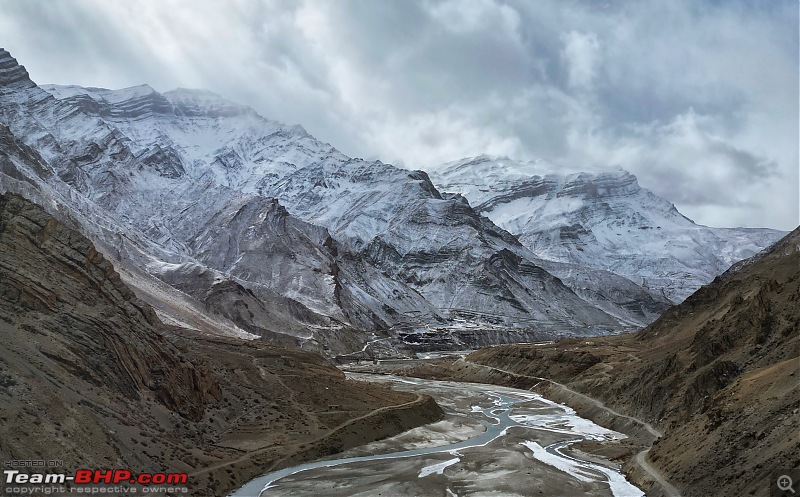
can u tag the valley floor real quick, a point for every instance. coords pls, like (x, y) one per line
(724, 441)
(493, 441)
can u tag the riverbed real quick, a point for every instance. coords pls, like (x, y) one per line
(494, 441)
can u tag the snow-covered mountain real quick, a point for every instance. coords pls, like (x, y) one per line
(600, 220)
(222, 218)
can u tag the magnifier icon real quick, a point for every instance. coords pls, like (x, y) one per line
(785, 483)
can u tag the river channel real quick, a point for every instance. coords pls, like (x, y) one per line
(494, 441)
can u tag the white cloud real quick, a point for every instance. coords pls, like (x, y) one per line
(470, 16)
(581, 52)
(709, 177)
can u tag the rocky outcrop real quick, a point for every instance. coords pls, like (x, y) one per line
(90, 324)
(11, 73)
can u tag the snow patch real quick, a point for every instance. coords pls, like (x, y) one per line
(438, 468)
(583, 471)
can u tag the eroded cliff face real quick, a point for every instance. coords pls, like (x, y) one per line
(64, 304)
(90, 376)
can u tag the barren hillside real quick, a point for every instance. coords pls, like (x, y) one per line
(91, 377)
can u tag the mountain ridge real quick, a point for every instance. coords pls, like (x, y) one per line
(604, 220)
(144, 161)
(177, 188)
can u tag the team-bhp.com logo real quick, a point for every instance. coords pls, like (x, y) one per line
(96, 477)
(89, 481)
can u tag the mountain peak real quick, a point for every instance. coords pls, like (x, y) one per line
(12, 74)
(129, 93)
(601, 219)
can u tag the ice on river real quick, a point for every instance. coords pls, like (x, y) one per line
(582, 470)
(438, 468)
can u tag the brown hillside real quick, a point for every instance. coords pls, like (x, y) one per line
(719, 374)
(90, 376)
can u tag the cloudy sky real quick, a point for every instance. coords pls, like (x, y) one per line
(698, 98)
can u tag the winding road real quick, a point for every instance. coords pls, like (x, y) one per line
(641, 457)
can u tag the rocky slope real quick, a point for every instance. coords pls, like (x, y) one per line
(225, 221)
(410, 248)
(603, 221)
(90, 376)
(62, 301)
(717, 374)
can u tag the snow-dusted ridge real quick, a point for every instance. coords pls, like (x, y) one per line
(278, 234)
(602, 220)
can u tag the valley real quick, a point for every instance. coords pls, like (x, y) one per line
(189, 286)
(717, 376)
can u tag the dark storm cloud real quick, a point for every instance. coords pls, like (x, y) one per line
(698, 98)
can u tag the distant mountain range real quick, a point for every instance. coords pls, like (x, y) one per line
(229, 223)
(600, 220)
